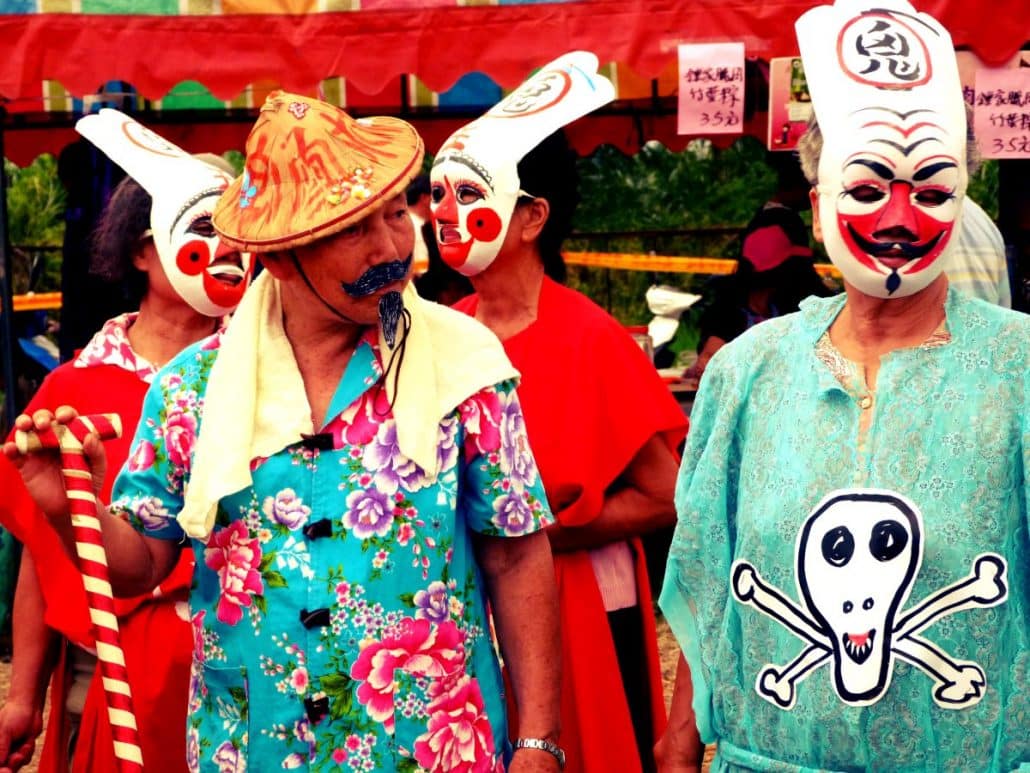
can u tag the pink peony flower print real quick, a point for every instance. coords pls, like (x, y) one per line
(458, 737)
(142, 457)
(416, 646)
(481, 415)
(235, 556)
(171, 381)
(299, 680)
(358, 424)
(180, 433)
(405, 534)
(213, 342)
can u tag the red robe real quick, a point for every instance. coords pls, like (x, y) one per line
(158, 644)
(591, 399)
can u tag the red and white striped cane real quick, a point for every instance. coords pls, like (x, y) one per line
(89, 546)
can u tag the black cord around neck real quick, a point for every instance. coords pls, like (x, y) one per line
(396, 356)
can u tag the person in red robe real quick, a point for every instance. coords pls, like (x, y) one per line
(604, 429)
(110, 375)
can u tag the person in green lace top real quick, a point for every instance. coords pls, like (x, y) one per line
(850, 574)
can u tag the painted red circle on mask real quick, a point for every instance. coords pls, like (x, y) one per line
(193, 257)
(484, 224)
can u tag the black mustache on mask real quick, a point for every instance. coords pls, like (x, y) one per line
(377, 278)
(888, 249)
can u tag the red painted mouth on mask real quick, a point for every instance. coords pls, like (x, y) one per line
(453, 250)
(226, 281)
(886, 255)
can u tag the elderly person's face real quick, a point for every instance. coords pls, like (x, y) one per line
(889, 197)
(354, 268)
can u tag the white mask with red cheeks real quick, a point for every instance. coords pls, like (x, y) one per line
(207, 274)
(892, 172)
(475, 179)
(471, 204)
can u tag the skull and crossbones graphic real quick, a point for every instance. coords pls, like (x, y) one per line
(858, 555)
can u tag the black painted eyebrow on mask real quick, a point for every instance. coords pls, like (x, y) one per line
(929, 171)
(881, 169)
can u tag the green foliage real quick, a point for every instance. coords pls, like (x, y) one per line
(35, 218)
(983, 188)
(658, 189)
(35, 202)
(704, 187)
(236, 158)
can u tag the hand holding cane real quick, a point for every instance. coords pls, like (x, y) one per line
(89, 546)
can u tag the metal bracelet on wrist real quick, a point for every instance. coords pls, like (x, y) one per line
(544, 746)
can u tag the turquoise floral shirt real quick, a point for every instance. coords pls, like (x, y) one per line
(775, 557)
(338, 610)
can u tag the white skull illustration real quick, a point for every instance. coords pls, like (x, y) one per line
(858, 555)
(857, 558)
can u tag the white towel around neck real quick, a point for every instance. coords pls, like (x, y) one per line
(255, 403)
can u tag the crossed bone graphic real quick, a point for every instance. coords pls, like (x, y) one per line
(850, 620)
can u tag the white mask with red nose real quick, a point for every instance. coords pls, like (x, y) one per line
(210, 276)
(475, 179)
(892, 173)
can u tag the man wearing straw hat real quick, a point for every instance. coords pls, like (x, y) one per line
(351, 465)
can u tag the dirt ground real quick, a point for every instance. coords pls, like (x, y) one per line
(5, 682)
(666, 644)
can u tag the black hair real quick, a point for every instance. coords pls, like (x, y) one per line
(417, 188)
(116, 239)
(549, 172)
(440, 283)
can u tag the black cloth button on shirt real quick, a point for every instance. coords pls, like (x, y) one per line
(321, 441)
(318, 529)
(316, 618)
(316, 709)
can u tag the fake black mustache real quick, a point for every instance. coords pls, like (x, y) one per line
(391, 306)
(908, 250)
(377, 278)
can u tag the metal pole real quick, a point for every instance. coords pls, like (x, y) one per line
(6, 293)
